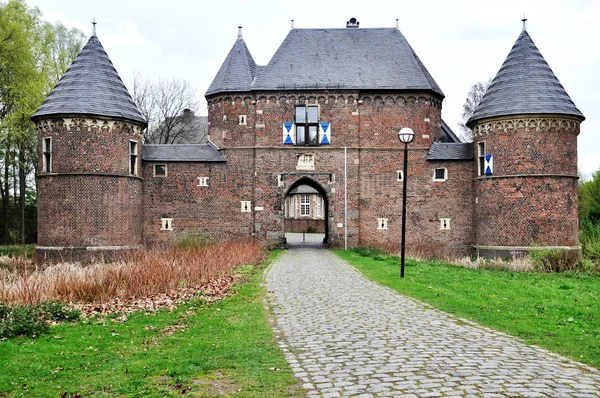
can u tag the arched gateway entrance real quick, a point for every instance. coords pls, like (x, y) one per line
(306, 213)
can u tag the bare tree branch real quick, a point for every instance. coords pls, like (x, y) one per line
(474, 97)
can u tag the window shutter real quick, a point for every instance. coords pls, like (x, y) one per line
(289, 133)
(324, 133)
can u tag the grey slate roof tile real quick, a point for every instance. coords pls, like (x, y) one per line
(303, 189)
(237, 72)
(525, 84)
(182, 153)
(376, 58)
(91, 87)
(450, 151)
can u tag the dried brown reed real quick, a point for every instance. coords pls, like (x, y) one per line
(521, 264)
(142, 274)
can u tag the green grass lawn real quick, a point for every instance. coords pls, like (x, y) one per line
(225, 348)
(560, 312)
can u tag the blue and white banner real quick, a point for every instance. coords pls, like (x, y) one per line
(489, 165)
(289, 133)
(324, 133)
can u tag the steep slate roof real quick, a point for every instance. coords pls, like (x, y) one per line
(237, 72)
(525, 84)
(447, 133)
(375, 58)
(450, 151)
(303, 189)
(182, 153)
(92, 87)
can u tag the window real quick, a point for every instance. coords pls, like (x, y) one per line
(307, 125)
(202, 182)
(246, 206)
(444, 223)
(242, 119)
(166, 224)
(47, 155)
(305, 205)
(292, 211)
(382, 223)
(160, 170)
(440, 174)
(481, 154)
(319, 207)
(400, 175)
(133, 158)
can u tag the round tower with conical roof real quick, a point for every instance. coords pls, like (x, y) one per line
(89, 168)
(525, 140)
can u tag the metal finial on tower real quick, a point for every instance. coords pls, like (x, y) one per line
(397, 27)
(240, 31)
(524, 20)
(292, 22)
(94, 26)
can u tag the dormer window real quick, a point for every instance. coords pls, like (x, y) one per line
(307, 125)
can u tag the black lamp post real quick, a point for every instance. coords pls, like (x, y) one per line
(406, 136)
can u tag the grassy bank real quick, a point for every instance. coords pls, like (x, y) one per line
(560, 312)
(221, 348)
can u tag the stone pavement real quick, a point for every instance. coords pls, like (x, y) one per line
(346, 336)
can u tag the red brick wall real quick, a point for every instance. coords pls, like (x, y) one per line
(89, 199)
(301, 225)
(532, 197)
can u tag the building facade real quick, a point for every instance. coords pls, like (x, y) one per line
(320, 120)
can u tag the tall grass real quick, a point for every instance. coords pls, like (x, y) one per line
(142, 274)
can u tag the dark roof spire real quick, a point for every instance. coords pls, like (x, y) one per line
(240, 31)
(524, 21)
(397, 26)
(292, 22)
(90, 87)
(525, 84)
(94, 26)
(238, 69)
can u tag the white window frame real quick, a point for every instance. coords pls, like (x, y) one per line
(481, 159)
(242, 120)
(382, 224)
(245, 206)
(166, 224)
(47, 155)
(202, 182)
(304, 205)
(399, 175)
(445, 224)
(440, 179)
(154, 170)
(133, 158)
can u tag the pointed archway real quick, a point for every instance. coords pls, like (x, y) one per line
(308, 192)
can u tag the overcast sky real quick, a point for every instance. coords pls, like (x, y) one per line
(460, 42)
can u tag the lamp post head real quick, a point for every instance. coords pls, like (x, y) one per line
(406, 135)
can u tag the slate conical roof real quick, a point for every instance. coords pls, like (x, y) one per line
(237, 72)
(525, 84)
(90, 87)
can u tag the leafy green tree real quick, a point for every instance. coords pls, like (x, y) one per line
(589, 199)
(33, 55)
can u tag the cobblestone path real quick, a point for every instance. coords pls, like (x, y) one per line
(346, 336)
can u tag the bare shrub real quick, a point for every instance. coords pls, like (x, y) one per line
(522, 264)
(141, 274)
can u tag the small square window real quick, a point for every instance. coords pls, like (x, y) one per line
(246, 206)
(160, 170)
(382, 223)
(202, 182)
(242, 119)
(444, 223)
(399, 175)
(440, 174)
(166, 224)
